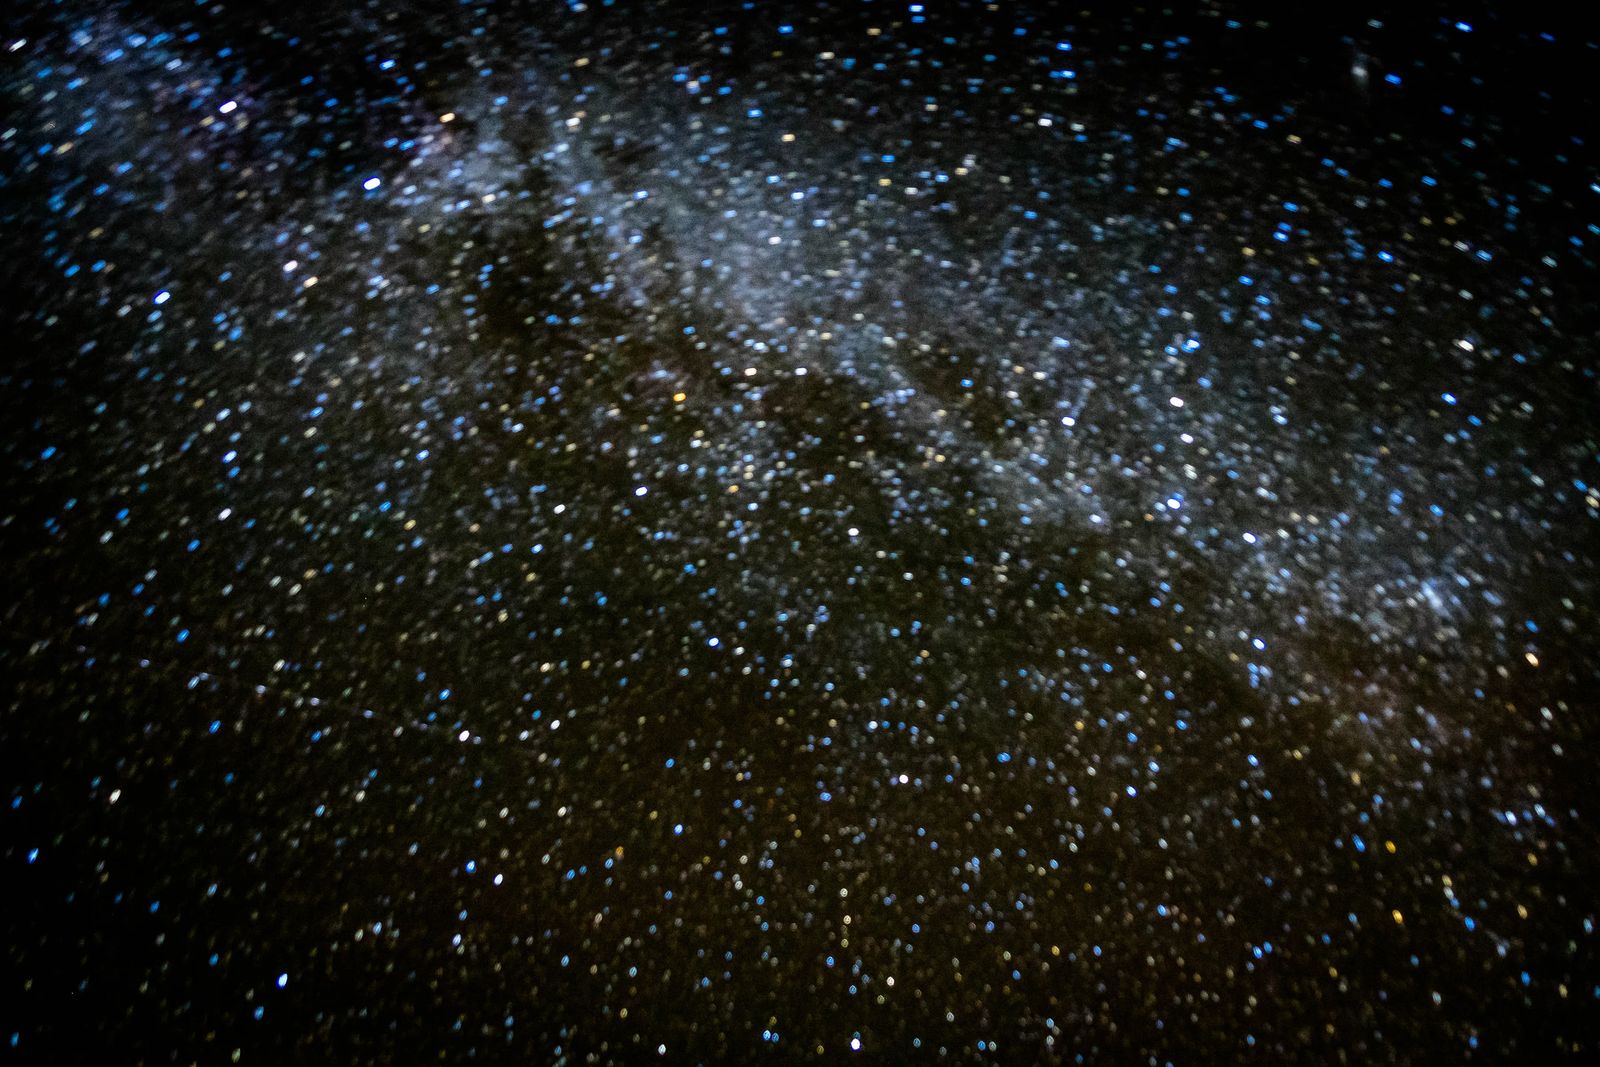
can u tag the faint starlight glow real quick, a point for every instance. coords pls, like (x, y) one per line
(872, 527)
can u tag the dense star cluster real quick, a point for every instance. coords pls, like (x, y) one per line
(599, 531)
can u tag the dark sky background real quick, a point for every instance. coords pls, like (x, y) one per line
(988, 533)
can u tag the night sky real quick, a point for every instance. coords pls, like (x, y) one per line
(595, 532)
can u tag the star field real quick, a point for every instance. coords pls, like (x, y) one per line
(992, 533)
